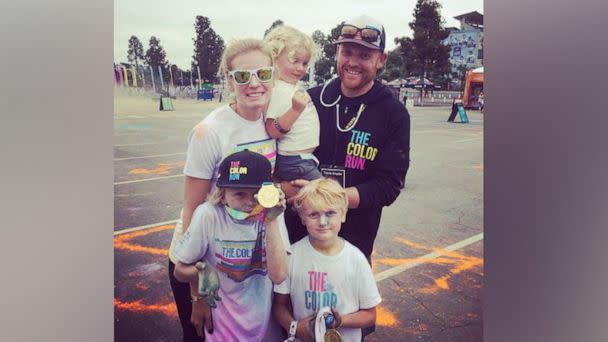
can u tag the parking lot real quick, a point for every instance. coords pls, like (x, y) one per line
(428, 257)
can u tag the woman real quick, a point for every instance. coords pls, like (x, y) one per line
(247, 66)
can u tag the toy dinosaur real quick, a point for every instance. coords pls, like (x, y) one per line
(208, 283)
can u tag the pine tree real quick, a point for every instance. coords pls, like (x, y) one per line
(135, 53)
(425, 53)
(155, 57)
(208, 49)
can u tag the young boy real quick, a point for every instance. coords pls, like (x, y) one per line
(289, 118)
(325, 270)
(233, 234)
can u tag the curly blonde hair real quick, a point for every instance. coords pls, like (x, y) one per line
(286, 38)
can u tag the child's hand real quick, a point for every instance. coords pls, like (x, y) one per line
(337, 319)
(278, 209)
(305, 331)
(201, 317)
(208, 283)
(299, 100)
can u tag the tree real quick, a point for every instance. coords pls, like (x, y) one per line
(276, 23)
(135, 53)
(322, 67)
(394, 66)
(155, 57)
(425, 53)
(327, 54)
(208, 49)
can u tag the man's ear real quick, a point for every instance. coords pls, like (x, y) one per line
(381, 60)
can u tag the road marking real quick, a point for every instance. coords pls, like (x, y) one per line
(403, 267)
(147, 179)
(148, 226)
(465, 140)
(151, 156)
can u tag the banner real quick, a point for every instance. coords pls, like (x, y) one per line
(125, 77)
(152, 77)
(160, 75)
(134, 73)
(200, 81)
(143, 75)
(117, 80)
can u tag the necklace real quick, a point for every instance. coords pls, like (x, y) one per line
(351, 124)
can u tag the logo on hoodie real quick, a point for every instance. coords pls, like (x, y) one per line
(358, 150)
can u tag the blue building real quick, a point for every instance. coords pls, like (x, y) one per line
(466, 43)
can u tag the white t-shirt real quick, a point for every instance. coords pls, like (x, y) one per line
(221, 133)
(344, 281)
(304, 133)
(237, 250)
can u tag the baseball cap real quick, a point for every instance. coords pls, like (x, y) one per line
(363, 22)
(244, 169)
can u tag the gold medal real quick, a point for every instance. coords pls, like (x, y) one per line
(332, 335)
(268, 196)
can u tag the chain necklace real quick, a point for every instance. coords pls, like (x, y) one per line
(351, 124)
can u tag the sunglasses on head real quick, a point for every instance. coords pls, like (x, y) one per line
(243, 76)
(369, 35)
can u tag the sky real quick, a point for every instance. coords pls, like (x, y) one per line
(173, 21)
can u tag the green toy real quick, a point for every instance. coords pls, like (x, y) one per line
(208, 283)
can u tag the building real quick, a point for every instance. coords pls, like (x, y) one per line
(466, 43)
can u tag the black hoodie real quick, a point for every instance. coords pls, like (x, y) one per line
(374, 153)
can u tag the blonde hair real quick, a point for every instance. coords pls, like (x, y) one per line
(239, 46)
(321, 194)
(217, 196)
(286, 38)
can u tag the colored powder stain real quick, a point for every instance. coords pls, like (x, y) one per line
(411, 244)
(429, 290)
(385, 318)
(199, 130)
(397, 262)
(122, 242)
(467, 265)
(161, 170)
(141, 249)
(442, 282)
(142, 286)
(139, 307)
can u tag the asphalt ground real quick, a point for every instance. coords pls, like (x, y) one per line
(428, 256)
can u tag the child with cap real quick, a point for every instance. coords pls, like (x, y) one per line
(326, 272)
(234, 234)
(291, 118)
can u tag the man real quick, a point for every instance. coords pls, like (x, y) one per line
(365, 133)
(364, 137)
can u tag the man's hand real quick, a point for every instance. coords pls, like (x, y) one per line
(201, 316)
(291, 188)
(299, 100)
